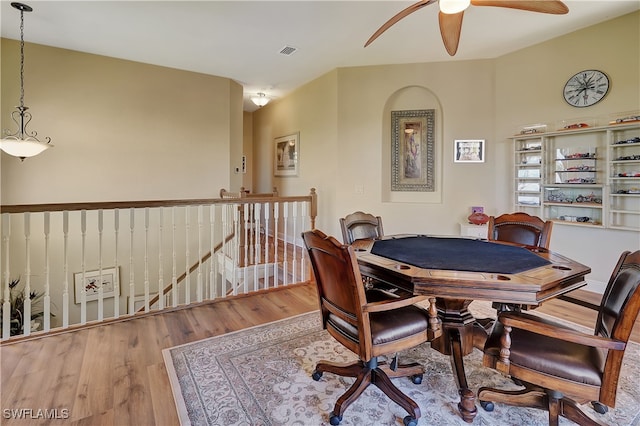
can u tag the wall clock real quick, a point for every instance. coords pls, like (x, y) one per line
(586, 88)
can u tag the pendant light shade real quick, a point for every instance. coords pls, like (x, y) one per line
(260, 99)
(22, 143)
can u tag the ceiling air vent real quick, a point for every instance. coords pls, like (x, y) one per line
(288, 50)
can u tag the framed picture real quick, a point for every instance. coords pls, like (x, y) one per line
(413, 150)
(469, 151)
(93, 281)
(286, 155)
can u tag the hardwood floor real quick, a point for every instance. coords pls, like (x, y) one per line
(114, 374)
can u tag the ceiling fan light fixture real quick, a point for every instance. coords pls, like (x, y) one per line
(260, 99)
(453, 6)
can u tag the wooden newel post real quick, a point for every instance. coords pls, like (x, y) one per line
(313, 210)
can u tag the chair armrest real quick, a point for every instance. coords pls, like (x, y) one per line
(537, 325)
(391, 304)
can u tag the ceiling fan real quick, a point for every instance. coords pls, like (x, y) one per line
(451, 12)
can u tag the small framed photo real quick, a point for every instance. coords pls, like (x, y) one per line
(469, 151)
(93, 281)
(286, 158)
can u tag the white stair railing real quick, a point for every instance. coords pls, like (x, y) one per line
(66, 265)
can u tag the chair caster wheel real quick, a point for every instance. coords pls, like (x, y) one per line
(410, 421)
(316, 375)
(599, 407)
(335, 420)
(487, 405)
(416, 379)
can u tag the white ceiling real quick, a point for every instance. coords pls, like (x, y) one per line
(242, 40)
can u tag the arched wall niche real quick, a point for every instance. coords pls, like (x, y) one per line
(405, 99)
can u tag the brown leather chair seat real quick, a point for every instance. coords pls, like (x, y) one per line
(387, 327)
(556, 357)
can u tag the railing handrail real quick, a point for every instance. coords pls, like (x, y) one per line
(110, 205)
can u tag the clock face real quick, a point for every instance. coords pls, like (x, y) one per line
(586, 88)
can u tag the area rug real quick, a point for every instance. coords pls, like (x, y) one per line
(262, 376)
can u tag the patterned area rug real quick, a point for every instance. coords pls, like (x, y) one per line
(262, 376)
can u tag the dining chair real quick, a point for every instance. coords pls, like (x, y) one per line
(360, 225)
(368, 323)
(520, 228)
(561, 367)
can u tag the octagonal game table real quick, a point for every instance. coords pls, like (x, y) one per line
(458, 271)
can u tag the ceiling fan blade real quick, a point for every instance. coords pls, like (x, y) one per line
(402, 14)
(543, 6)
(450, 28)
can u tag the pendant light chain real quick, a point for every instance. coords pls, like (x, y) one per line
(21, 59)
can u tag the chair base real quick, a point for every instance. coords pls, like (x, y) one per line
(536, 397)
(377, 373)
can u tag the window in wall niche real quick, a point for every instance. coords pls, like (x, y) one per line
(413, 150)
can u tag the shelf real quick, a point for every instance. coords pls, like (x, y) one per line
(589, 164)
(576, 205)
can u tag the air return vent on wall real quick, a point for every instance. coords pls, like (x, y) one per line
(288, 50)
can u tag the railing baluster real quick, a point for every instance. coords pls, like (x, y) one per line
(276, 219)
(132, 288)
(100, 277)
(285, 257)
(174, 272)
(65, 269)
(199, 276)
(212, 261)
(267, 217)
(294, 261)
(116, 230)
(146, 259)
(6, 306)
(160, 259)
(303, 268)
(187, 226)
(83, 266)
(47, 290)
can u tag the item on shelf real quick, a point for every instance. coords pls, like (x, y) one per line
(628, 191)
(629, 174)
(559, 197)
(478, 218)
(581, 181)
(581, 168)
(631, 140)
(591, 198)
(532, 129)
(628, 157)
(532, 148)
(579, 155)
(628, 119)
(575, 126)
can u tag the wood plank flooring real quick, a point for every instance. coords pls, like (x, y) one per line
(114, 374)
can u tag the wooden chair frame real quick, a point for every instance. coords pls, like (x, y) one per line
(498, 227)
(360, 225)
(344, 305)
(611, 334)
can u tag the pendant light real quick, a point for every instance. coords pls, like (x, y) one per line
(260, 99)
(22, 143)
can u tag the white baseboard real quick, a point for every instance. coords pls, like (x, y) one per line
(595, 286)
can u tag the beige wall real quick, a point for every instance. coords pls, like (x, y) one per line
(310, 110)
(122, 130)
(474, 100)
(529, 90)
